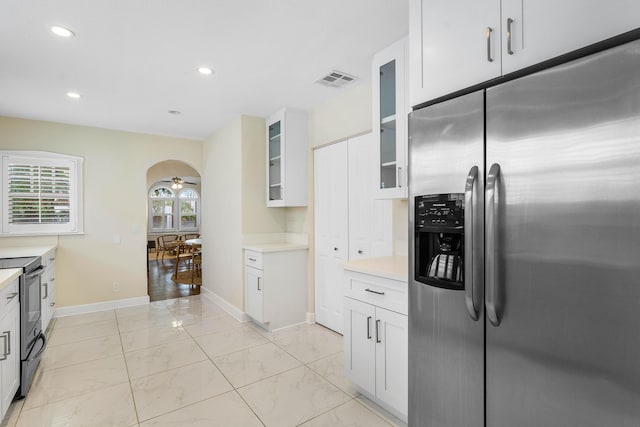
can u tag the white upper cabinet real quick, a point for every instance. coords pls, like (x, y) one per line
(455, 45)
(544, 29)
(389, 122)
(287, 149)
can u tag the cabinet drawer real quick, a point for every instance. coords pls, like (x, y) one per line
(253, 259)
(379, 291)
(49, 259)
(9, 296)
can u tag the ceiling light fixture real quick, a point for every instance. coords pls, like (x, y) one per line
(205, 71)
(74, 95)
(177, 183)
(62, 31)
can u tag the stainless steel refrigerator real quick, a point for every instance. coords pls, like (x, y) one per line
(524, 212)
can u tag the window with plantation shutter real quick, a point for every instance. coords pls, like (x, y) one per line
(41, 193)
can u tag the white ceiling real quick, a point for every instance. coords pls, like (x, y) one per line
(134, 60)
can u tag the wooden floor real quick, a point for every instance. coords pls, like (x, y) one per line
(160, 284)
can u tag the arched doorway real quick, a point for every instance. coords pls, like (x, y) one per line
(173, 215)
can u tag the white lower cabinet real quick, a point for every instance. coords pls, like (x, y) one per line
(276, 287)
(376, 343)
(9, 345)
(48, 288)
(254, 293)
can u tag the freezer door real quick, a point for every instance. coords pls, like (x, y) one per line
(563, 259)
(446, 352)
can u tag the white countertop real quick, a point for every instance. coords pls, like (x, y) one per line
(22, 251)
(275, 247)
(391, 267)
(8, 275)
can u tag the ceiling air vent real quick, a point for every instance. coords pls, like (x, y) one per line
(336, 79)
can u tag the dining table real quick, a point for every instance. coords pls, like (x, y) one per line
(194, 243)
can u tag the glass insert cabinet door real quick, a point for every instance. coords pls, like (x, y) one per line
(387, 118)
(275, 161)
(390, 120)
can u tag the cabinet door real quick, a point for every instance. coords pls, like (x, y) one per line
(10, 367)
(46, 284)
(543, 29)
(331, 225)
(392, 374)
(390, 120)
(275, 160)
(254, 291)
(370, 219)
(454, 45)
(359, 344)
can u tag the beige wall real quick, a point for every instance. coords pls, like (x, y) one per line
(233, 182)
(115, 204)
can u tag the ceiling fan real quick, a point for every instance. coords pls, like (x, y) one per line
(177, 182)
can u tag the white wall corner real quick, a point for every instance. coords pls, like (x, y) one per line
(100, 306)
(229, 308)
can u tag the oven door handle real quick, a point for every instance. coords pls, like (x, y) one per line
(44, 345)
(37, 272)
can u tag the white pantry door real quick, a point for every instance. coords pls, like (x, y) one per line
(331, 223)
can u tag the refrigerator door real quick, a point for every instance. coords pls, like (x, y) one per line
(566, 245)
(446, 346)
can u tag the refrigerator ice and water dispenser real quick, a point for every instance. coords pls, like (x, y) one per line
(439, 240)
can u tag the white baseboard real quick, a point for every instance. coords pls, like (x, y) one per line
(100, 306)
(231, 309)
(311, 318)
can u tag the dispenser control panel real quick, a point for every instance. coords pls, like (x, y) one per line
(440, 210)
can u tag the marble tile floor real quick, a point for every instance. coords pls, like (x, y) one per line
(185, 362)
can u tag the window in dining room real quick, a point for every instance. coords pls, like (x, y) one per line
(170, 210)
(188, 209)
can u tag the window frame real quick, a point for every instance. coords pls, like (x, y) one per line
(197, 210)
(44, 158)
(176, 214)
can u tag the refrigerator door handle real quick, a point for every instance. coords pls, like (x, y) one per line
(471, 252)
(493, 301)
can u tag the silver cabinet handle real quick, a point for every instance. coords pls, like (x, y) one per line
(52, 304)
(492, 298)
(11, 297)
(46, 290)
(378, 332)
(374, 292)
(252, 259)
(472, 247)
(509, 24)
(8, 341)
(51, 259)
(489, 31)
(259, 284)
(360, 251)
(369, 327)
(4, 353)
(53, 279)
(399, 176)
(335, 249)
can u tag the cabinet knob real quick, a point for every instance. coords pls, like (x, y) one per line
(360, 251)
(335, 249)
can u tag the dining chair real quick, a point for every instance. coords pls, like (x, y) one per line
(166, 243)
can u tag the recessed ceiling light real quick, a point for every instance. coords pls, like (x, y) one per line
(174, 112)
(62, 31)
(205, 70)
(74, 95)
